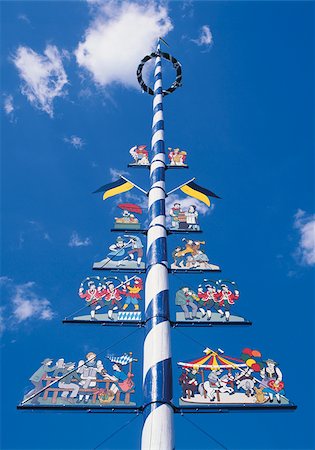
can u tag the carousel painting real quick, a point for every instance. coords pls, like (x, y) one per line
(190, 256)
(111, 299)
(128, 219)
(88, 382)
(139, 154)
(216, 379)
(125, 253)
(177, 157)
(211, 301)
(184, 219)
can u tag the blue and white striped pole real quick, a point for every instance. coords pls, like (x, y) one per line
(157, 432)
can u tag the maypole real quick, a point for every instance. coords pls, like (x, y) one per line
(157, 432)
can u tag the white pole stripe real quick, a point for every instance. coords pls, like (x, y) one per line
(160, 184)
(155, 195)
(157, 100)
(156, 164)
(156, 282)
(158, 136)
(158, 157)
(157, 433)
(158, 220)
(156, 346)
(157, 84)
(157, 116)
(153, 234)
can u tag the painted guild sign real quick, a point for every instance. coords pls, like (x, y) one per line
(218, 379)
(191, 256)
(139, 155)
(88, 382)
(177, 157)
(128, 219)
(184, 219)
(125, 253)
(211, 301)
(111, 299)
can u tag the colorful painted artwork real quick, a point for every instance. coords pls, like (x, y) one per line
(139, 155)
(111, 299)
(128, 219)
(125, 253)
(177, 157)
(218, 379)
(211, 301)
(184, 220)
(87, 382)
(191, 256)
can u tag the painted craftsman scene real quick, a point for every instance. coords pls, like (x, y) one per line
(211, 301)
(184, 219)
(90, 381)
(139, 155)
(191, 255)
(177, 157)
(128, 218)
(218, 379)
(111, 299)
(125, 253)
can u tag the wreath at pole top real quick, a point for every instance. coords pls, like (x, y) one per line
(176, 64)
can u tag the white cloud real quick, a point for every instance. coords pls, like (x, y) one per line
(119, 36)
(115, 173)
(24, 18)
(76, 241)
(2, 320)
(75, 141)
(27, 304)
(8, 105)
(24, 303)
(305, 224)
(205, 38)
(43, 76)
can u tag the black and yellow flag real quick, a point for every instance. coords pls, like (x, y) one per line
(194, 190)
(115, 188)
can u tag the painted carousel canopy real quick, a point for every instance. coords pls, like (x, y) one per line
(214, 361)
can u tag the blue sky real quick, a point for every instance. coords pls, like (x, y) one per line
(245, 115)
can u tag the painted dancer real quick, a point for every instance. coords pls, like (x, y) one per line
(136, 249)
(113, 297)
(93, 298)
(209, 300)
(227, 300)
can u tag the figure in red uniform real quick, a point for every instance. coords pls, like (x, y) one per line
(93, 297)
(113, 297)
(227, 299)
(208, 300)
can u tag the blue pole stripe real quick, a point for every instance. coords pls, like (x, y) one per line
(163, 393)
(157, 251)
(157, 209)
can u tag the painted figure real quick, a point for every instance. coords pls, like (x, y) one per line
(37, 379)
(208, 300)
(186, 298)
(123, 381)
(188, 382)
(184, 220)
(132, 293)
(113, 296)
(139, 154)
(177, 157)
(92, 296)
(128, 220)
(126, 252)
(88, 372)
(191, 257)
(67, 383)
(227, 299)
(272, 383)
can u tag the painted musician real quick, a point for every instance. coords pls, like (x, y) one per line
(188, 381)
(272, 383)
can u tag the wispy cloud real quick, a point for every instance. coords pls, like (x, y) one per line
(187, 9)
(8, 106)
(23, 304)
(115, 173)
(205, 38)
(120, 34)
(43, 76)
(32, 229)
(24, 18)
(75, 141)
(305, 224)
(76, 241)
